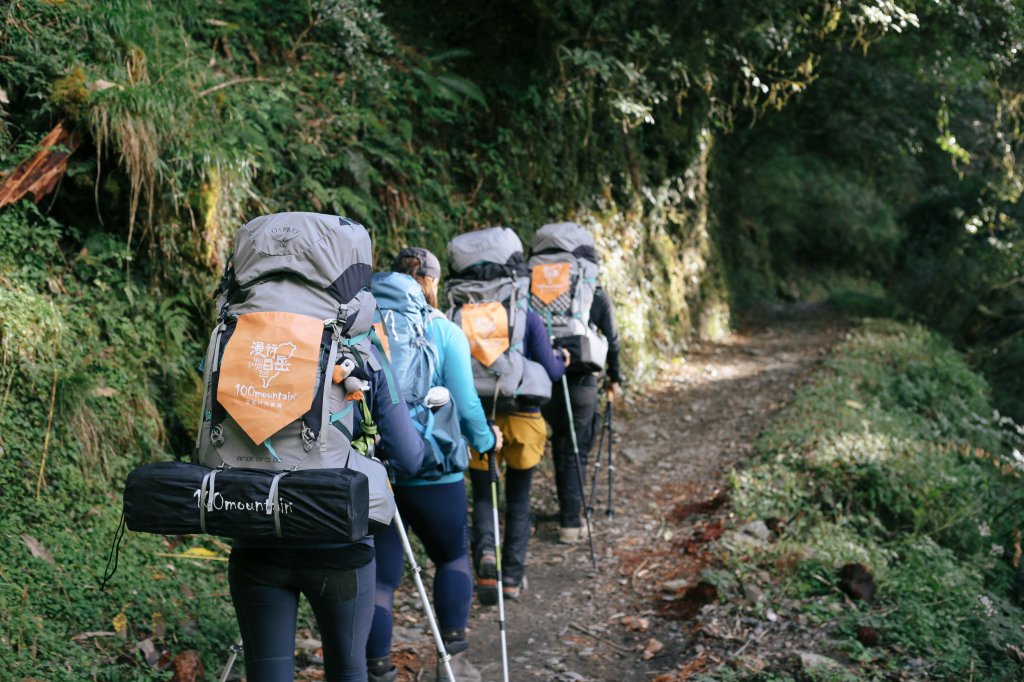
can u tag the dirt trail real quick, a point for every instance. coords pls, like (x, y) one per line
(673, 448)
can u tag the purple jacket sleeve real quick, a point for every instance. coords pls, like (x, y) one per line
(538, 347)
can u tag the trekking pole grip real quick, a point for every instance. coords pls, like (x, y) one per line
(492, 464)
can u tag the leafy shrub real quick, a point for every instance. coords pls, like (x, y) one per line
(894, 458)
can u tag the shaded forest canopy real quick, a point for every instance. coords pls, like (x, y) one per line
(728, 153)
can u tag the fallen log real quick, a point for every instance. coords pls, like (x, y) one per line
(39, 174)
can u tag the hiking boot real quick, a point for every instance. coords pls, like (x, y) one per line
(571, 536)
(389, 676)
(488, 566)
(513, 592)
(381, 670)
(462, 668)
(487, 580)
(487, 591)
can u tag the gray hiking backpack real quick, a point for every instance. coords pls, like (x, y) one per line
(488, 297)
(290, 353)
(563, 279)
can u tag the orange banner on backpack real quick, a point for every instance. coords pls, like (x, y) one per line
(486, 327)
(548, 281)
(269, 369)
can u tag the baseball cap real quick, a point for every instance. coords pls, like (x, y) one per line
(429, 265)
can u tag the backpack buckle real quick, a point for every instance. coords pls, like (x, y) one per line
(217, 435)
(308, 437)
(341, 321)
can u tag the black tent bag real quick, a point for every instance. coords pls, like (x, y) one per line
(178, 498)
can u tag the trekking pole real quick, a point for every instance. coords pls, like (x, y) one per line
(610, 512)
(597, 468)
(492, 467)
(442, 653)
(236, 648)
(579, 469)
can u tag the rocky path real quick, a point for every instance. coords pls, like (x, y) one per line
(632, 619)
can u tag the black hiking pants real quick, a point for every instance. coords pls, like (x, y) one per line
(265, 592)
(583, 400)
(518, 522)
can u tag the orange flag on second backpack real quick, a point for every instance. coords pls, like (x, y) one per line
(486, 327)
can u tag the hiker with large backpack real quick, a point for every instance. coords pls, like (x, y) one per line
(295, 380)
(565, 292)
(514, 366)
(431, 362)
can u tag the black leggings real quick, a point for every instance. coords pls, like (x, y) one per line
(583, 400)
(266, 599)
(437, 514)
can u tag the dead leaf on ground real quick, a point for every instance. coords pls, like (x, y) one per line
(149, 651)
(636, 624)
(682, 511)
(652, 648)
(188, 667)
(195, 553)
(120, 623)
(37, 549)
(159, 624)
(868, 636)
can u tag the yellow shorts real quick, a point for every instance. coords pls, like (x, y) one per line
(525, 434)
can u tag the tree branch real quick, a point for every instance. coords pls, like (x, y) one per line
(234, 81)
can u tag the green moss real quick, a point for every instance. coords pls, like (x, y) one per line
(70, 93)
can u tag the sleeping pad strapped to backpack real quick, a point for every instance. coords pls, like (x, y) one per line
(563, 278)
(488, 296)
(405, 316)
(283, 377)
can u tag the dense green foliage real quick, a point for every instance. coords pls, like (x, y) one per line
(897, 169)
(894, 458)
(423, 120)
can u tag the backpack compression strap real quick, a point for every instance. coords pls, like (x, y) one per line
(367, 439)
